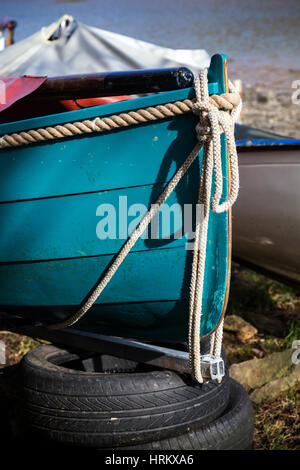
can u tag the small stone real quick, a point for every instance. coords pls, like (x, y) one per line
(258, 352)
(246, 332)
(255, 373)
(262, 98)
(271, 390)
(243, 329)
(233, 323)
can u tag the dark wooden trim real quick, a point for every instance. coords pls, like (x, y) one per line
(114, 83)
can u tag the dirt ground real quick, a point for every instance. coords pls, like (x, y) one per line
(277, 109)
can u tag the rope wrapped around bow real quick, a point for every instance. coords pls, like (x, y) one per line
(211, 124)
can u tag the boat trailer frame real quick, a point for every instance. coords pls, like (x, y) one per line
(146, 353)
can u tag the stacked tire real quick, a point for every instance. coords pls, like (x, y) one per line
(104, 402)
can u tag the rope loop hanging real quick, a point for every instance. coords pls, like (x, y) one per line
(212, 123)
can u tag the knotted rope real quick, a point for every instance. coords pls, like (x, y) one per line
(212, 122)
(209, 129)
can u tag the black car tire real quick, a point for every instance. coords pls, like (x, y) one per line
(233, 430)
(97, 409)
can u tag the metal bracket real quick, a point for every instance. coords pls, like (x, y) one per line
(212, 366)
(151, 354)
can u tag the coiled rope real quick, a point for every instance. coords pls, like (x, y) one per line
(212, 122)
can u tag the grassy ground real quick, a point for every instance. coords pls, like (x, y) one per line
(16, 346)
(277, 423)
(272, 307)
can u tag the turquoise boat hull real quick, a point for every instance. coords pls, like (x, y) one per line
(50, 254)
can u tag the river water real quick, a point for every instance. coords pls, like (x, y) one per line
(260, 37)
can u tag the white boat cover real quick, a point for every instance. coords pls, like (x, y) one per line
(70, 47)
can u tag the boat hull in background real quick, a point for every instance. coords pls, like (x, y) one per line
(266, 216)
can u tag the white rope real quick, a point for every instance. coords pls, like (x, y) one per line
(209, 130)
(212, 122)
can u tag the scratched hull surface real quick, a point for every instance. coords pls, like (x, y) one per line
(50, 254)
(266, 216)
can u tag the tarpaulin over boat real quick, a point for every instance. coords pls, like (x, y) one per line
(68, 47)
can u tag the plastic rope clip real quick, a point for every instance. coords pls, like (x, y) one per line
(212, 367)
